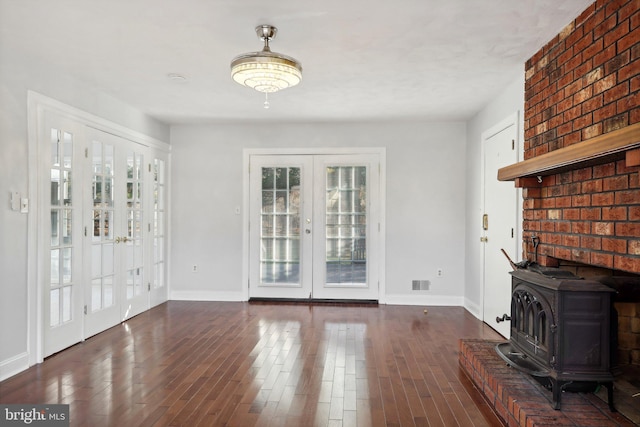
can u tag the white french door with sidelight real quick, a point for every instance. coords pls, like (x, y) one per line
(102, 203)
(314, 226)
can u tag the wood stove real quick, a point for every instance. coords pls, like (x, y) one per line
(561, 330)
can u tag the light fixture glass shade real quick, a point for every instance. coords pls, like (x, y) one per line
(266, 71)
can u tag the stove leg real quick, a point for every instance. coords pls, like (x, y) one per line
(609, 386)
(556, 389)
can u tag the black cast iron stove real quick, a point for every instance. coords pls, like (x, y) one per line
(560, 330)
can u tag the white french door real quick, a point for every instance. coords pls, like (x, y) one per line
(115, 249)
(61, 233)
(105, 219)
(314, 226)
(159, 215)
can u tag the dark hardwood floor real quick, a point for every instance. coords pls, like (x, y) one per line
(246, 364)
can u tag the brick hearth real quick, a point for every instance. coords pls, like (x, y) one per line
(521, 401)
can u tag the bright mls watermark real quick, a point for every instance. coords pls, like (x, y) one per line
(34, 415)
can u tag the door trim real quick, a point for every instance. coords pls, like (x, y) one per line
(37, 107)
(246, 157)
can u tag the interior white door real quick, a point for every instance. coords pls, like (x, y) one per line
(61, 250)
(500, 207)
(314, 227)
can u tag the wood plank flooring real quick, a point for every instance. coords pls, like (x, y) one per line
(259, 364)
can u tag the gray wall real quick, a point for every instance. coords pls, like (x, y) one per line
(424, 216)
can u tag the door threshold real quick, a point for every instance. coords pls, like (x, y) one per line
(316, 301)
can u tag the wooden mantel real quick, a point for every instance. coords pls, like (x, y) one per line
(618, 144)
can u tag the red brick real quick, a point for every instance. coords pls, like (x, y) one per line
(581, 200)
(593, 103)
(627, 10)
(627, 263)
(603, 84)
(628, 197)
(615, 34)
(602, 57)
(607, 169)
(580, 227)
(548, 203)
(629, 71)
(614, 245)
(547, 226)
(607, 25)
(627, 41)
(615, 93)
(617, 62)
(628, 229)
(591, 243)
(634, 213)
(634, 84)
(583, 121)
(616, 122)
(571, 214)
(580, 255)
(615, 183)
(628, 102)
(563, 202)
(602, 260)
(603, 228)
(634, 247)
(616, 213)
(604, 112)
(590, 214)
(563, 226)
(593, 49)
(592, 186)
(602, 199)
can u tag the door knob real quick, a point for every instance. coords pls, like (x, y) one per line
(307, 231)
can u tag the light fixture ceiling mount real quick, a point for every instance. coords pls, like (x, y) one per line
(266, 71)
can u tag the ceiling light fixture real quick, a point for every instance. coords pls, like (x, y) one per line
(266, 71)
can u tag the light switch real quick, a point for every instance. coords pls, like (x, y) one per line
(24, 205)
(15, 201)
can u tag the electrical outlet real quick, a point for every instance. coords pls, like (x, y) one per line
(439, 272)
(194, 269)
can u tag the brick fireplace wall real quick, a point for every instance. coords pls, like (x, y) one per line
(582, 84)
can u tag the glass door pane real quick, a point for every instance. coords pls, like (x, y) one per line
(102, 236)
(280, 225)
(346, 234)
(132, 240)
(62, 218)
(158, 209)
(346, 224)
(62, 261)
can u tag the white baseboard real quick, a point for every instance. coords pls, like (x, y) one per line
(206, 296)
(412, 299)
(14, 365)
(473, 308)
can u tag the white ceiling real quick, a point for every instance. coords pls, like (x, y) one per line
(362, 59)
